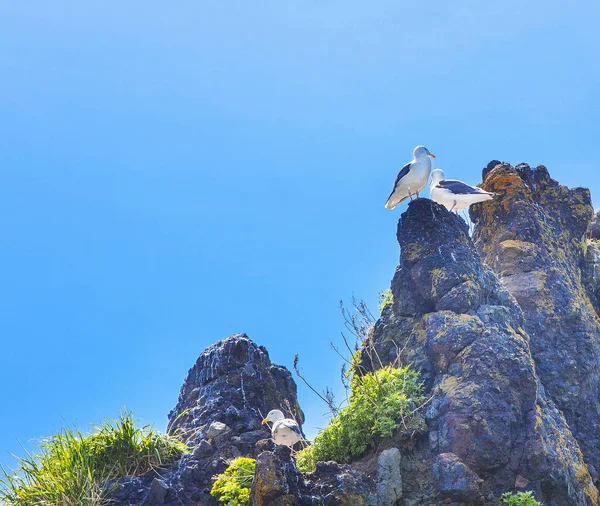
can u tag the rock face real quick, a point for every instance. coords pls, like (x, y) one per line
(590, 272)
(277, 482)
(491, 426)
(505, 332)
(227, 389)
(219, 415)
(534, 236)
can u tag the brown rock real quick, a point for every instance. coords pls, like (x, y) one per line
(534, 236)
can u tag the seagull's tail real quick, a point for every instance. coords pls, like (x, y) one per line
(393, 202)
(484, 192)
(483, 197)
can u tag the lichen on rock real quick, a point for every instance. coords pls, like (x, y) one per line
(536, 238)
(489, 420)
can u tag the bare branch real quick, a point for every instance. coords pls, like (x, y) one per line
(324, 396)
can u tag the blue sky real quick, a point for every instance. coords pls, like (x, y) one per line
(173, 174)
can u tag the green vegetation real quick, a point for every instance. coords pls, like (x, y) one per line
(385, 298)
(379, 403)
(306, 460)
(71, 468)
(519, 499)
(232, 488)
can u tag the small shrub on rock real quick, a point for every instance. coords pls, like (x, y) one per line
(232, 488)
(385, 299)
(519, 499)
(305, 459)
(379, 403)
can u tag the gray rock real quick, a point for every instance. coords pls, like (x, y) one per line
(216, 429)
(202, 449)
(456, 481)
(275, 478)
(158, 492)
(389, 478)
(277, 482)
(128, 490)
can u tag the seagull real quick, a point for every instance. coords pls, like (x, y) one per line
(285, 431)
(455, 195)
(412, 178)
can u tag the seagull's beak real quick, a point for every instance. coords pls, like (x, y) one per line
(265, 421)
(431, 155)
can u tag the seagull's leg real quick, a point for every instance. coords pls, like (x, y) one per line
(453, 206)
(410, 195)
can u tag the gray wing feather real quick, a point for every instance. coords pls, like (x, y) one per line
(290, 424)
(403, 171)
(459, 188)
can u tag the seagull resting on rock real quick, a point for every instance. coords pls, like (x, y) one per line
(285, 431)
(412, 178)
(455, 195)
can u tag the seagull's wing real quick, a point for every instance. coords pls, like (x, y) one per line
(403, 171)
(289, 424)
(460, 188)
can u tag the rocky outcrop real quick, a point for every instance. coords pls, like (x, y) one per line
(504, 330)
(277, 482)
(222, 402)
(234, 383)
(491, 426)
(590, 272)
(219, 412)
(534, 235)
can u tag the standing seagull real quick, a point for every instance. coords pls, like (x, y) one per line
(455, 195)
(285, 431)
(412, 178)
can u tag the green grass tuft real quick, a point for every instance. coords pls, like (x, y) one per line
(232, 488)
(70, 468)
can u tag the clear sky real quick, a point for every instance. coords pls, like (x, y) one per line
(173, 173)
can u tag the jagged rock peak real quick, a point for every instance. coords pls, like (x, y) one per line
(534, 235)
(439, 267)
(233, 382)
(219, 412)
(490, 426)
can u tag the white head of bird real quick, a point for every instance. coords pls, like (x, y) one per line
(273, 416)
(421, 152)
(436, 176)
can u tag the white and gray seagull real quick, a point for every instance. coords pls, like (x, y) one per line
(285, 431)
(412, 178)
(455, 195)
